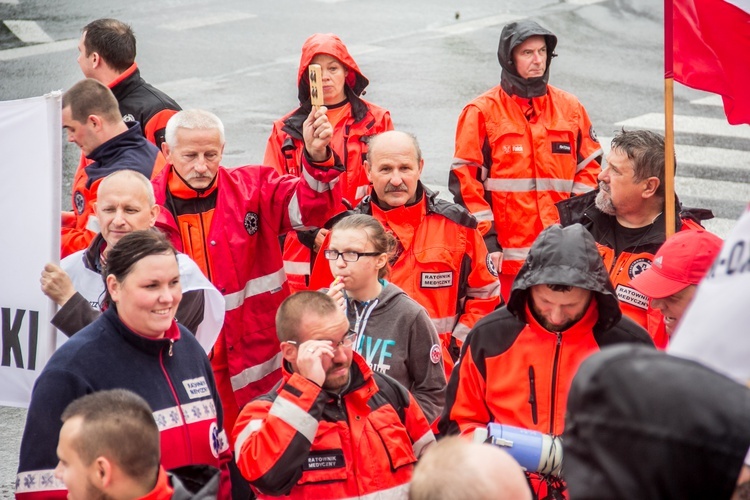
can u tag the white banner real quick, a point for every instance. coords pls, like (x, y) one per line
(31, 172)
(715, 330)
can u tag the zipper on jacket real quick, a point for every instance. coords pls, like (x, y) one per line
(185, 430)
(204, 237)
(554, 383)
(532, 396)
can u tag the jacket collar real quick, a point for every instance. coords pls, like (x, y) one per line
(92, 256)
(140, 342)
(116, 85)
(179, 188)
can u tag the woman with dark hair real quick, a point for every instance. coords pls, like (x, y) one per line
(137, 345)
(394, 333)
(354, 121)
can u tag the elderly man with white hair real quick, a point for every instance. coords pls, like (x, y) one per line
(229, 222)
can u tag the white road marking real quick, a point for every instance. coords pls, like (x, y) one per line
(36, 50)
(28, 31)
(690, 125)
(14, 2)
(704, 188)
(699, 155)
(712, 100)
(201, 21)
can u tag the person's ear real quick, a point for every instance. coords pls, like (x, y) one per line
(289, 352)
(165, 151)
(155, 209)
(102, 472)
(95, 122)
(368, 169)
(113, 287)
(650, 186)
(381, 261)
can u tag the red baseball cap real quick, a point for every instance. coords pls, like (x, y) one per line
(684, 259)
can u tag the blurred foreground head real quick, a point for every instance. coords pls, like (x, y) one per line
(643, 424)
(458, 469)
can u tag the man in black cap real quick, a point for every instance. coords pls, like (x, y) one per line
(521, 147)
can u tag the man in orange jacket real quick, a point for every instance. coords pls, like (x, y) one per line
(91, 118)
(441, 260)
(625, 217)
(521, 147)
(519, 361)
(332, 428)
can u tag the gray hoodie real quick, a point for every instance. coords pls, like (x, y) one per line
(396, 337)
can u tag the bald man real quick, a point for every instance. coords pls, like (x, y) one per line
(486, 472)
(125, 203)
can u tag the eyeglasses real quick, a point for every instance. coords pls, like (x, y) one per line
(348, 256)
(346, 342)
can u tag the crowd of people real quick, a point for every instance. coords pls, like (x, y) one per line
(309, 328)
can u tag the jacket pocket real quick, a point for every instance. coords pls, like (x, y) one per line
(394, 438)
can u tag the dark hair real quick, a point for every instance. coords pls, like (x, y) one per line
(294, 308)
(120, 425)
(113, 40)
(560, 288)
(129, 250)
(646, 150)
(382, 241)
(90, 97)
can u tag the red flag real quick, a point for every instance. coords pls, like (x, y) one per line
(711, 42)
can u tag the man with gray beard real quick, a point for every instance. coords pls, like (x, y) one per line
(625, 216)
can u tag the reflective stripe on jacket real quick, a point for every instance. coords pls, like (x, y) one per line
(509, 171)
(254, 205)
(299, 441)
(441, 262)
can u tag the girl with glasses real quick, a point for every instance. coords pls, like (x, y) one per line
(393, 332)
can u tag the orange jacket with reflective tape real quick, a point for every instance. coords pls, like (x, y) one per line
(509, 171)
(441, 262)
(298, 441)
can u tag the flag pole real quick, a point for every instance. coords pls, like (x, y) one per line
(669, 196)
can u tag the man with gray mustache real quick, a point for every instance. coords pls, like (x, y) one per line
(625, 216)
(441, 260)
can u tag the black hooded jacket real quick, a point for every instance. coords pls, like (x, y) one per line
(646, 425)
(513, 35)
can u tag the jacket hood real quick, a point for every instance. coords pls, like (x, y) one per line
(643, 424)
(566, 256)
(513, 35)
(328, 43)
